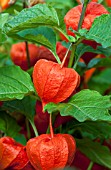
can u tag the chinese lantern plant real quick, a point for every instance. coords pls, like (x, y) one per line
(51, 151)
(57, 86)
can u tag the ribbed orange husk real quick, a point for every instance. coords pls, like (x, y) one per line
(53, 83)
(4, 4)
(108, 2)
(12, 154)
(19, 56)
(46, 153)
(72, 18)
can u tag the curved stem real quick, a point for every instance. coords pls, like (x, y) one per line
(90, 166)
(34, 127)
(50, 124)
(72, 56)
(64, 59)
(28, 128)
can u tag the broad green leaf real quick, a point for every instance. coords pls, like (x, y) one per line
(41, 35)
(85, 105)
(3, 36)
(61, 3)
(101, 30)
(8, 124)
(95, 152)
(93, 130)
(82, 48)
(3, 19)
(14, 83)
(37, 15)
(100, 62)
(26, 106)
(104, 77)
(21, 139)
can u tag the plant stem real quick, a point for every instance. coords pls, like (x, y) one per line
(28, 128)
(72, 56)
(50, 124)
(26, 43)
(82, 15)
(64, 59)
(28, 55)
(34, 127)
(90, 166)
(79, 27)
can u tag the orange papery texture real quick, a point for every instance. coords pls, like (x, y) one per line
(12, 154)
(19, 55)
(72, 18)
(46, 153)
(53, 83)
(4, 4)
(108, 2)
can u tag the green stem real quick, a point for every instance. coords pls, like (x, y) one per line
(72, 56)
(79, 26)
(34, 127)
(90, 166)
(28, 128)
(82, 14)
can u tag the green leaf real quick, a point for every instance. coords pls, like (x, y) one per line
(41, 35)
(99, 62)
(8, 124)
(95, 152)
(82, 48)
(3, 19)
(26, 106)
(14, 83)
(104, 77)
(101, 30)
(93, 130)
(21, 139)
(85, 105)
(40, 14)
(3, 36)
